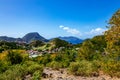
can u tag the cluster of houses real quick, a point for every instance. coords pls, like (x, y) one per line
(35, 53)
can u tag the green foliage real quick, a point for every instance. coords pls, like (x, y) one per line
(36, 43)
(59, 43)
(34, 67)
(3, 66)
(19, 71)
(1, 49)
(113, 34)
(99, 43)
(36, 75)
(93, 48)
(14, 58)
(86, 51)
(70, 56)
(45, 59)
(11, 45)
(73, 68)
(55, 65)
(13, 73)
(111, 67)
(83, 68)
(65, 64)
(58, 57)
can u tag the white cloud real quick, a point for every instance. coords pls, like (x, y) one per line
(97, 31)
(61, 26)
(65, 28)
(88, 34)
(70, 30)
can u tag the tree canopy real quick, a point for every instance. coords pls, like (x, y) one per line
(113, 34)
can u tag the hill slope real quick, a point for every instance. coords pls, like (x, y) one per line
(10, 39)
(71, 39)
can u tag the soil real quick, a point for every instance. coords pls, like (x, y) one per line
(62, 74)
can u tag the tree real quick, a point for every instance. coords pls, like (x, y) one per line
(92, 48)
(99, 43)
(59, 43)
(86, 50)
(112, 36)
(37, 43)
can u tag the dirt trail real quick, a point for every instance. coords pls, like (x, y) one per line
(50, 74)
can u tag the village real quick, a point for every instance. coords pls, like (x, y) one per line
(35, 53)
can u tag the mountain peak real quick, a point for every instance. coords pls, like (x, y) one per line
(33, 36)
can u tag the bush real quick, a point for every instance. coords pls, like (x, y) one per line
(3, 66)
(96, 65)
(83, 68)
(14, 57)
(1, 49)
(31, 69)
(65, 64)
(14, 73)
(111, 68)
(73, 68)
(37, 75)
(19, 71)
(45, 59)
(55, 65)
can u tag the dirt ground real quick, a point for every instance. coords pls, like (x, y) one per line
(50, 74)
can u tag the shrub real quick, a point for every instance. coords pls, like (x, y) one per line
(19, 71)
(55, 65)
(14, 57)
(65, 64)
(83, 68)
(13, 73)
(1, 49)
(73, 68)
(45, 59)
(111, 68)
(3, 66)
(96, 65)
(58, 58)
(31, 69)
(37, 75)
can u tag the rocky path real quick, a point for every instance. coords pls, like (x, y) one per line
(50, 74)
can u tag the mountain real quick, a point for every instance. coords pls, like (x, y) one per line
(10, 39)
(5, 38)
(71, 39)
(27, 38)
(33, 36)
(36, 36)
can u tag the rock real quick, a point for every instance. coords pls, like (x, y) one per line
(44, 75)
(103, 78)
(28, 77)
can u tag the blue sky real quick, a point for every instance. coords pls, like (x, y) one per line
(52, 18)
